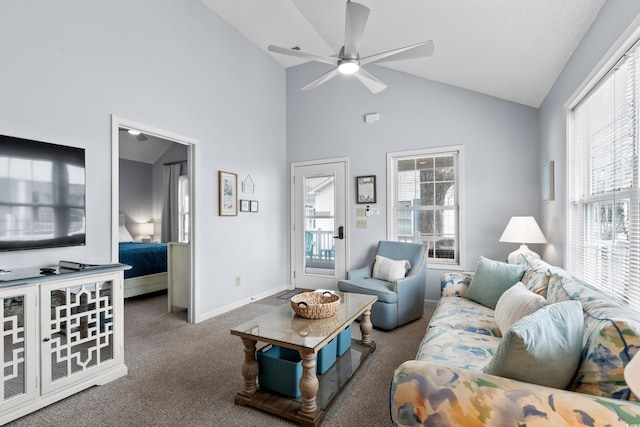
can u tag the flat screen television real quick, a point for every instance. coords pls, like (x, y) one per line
(42, 195)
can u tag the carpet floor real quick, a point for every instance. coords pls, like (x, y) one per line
(187, 375)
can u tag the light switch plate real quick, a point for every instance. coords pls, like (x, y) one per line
(360, 212)
(361, 223)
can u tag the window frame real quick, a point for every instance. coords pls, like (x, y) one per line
(628, 41)
(392, 159)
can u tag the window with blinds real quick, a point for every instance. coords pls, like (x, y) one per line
(603, 226)
(424, 187)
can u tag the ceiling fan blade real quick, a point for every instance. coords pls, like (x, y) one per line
(322, 79)
(356, 20)
(418, 50)
(303, 55)
(141, 137)
(372, 83)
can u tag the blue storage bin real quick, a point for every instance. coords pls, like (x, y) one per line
(344, 341)
(280, 370)
(326, 357)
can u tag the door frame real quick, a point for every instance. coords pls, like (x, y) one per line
(347, 239)
(192, 144)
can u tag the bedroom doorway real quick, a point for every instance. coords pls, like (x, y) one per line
(152, 211)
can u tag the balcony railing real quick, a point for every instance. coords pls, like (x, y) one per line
(320, 245)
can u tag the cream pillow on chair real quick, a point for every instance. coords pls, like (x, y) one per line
(389, 269)
(516, 303)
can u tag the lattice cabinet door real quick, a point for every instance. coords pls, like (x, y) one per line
(81, 329)
(19, 358)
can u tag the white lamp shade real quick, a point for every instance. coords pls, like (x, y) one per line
(523, 229)
(146, 229)
(632, 375)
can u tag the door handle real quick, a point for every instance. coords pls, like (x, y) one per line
(340, 233)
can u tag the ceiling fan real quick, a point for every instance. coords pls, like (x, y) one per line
(348, 60)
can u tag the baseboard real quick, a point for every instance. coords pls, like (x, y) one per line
(242, 302)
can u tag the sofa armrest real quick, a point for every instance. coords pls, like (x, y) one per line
(455, 284)
(428, 394)
(360, 273)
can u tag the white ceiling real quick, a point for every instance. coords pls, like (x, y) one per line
(147, 151)
(510, 49)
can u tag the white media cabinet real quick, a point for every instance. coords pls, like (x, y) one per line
(63, 333)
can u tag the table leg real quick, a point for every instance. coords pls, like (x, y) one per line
(249, 367)
(308, 385)
(366, 327)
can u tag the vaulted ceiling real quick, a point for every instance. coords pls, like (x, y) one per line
(510, 49)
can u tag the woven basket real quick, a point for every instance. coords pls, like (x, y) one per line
(314, 327)
(315, 305)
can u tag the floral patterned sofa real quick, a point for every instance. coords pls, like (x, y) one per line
(446, 385)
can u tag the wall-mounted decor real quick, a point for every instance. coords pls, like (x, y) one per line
(227, 193)
(254, 206)
(547, 181)
(244, 205)
(366, 189)
(248, 186)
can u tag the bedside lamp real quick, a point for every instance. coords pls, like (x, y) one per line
(523, 230)
(146, 231)
(632, 374)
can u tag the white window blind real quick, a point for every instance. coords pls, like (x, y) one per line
(424, 187)
(603, 233)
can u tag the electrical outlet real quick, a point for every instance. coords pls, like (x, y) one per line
(237, 280)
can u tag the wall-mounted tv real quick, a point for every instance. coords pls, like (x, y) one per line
(42, 195)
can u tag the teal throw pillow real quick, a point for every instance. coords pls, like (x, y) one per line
(542, 348)
(491, 279)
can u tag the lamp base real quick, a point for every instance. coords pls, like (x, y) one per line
(514, 256)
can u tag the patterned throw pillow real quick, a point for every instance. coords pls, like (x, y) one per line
(611, 338)
(516, 303)
(536, 274)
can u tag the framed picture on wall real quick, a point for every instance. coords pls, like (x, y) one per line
(366, 189)
(254, 206)
(227, 193)
(244, 205)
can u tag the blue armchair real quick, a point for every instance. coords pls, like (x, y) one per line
(398, 302)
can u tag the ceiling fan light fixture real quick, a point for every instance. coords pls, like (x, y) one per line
(348, 59)
(348, 66)
(133, 132)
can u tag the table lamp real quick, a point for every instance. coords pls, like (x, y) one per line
(523, 230)
(146, 231)
(632, 375)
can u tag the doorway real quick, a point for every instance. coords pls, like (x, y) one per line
(161, 144)
(320, 237)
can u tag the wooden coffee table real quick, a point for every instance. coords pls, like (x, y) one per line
(282, 327)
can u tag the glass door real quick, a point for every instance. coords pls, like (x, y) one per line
(319, 248)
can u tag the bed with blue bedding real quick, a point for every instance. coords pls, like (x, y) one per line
(148, 263)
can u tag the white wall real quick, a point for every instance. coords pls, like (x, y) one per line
(500, 140)
(68, 65)
(614, 18)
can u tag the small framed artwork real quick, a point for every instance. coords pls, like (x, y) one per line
(254, 206)
(227, 193)
(366, 189)
(244, 205)
(547, 181)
